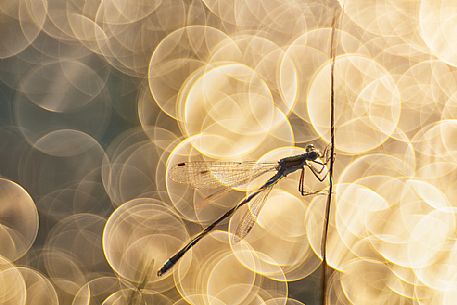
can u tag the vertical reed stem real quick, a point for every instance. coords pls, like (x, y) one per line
(325, 269)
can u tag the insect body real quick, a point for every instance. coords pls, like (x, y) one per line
(202, 174)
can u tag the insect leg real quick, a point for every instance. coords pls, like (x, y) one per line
(325, 154)
(301, 183)
(316, 173)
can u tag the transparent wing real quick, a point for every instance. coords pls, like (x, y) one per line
(249, 218)
(213, 174)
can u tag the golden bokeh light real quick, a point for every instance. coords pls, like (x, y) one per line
(101, 100)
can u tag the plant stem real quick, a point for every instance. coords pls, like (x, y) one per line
(325, 268)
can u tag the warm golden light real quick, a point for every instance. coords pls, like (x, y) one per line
(100, 100)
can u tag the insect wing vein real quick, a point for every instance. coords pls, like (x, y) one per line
(213, 174)
(250, 215)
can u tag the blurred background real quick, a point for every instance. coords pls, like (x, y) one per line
(99, 98)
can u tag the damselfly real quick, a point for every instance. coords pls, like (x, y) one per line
(202, 174)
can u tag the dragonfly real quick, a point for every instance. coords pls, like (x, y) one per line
(210, 174)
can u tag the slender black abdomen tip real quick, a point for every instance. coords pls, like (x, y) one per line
(168, 264)
(162, 270)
